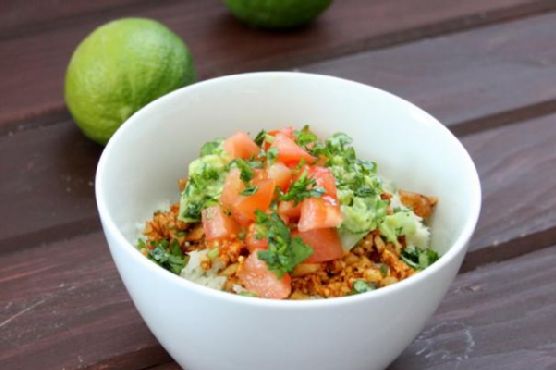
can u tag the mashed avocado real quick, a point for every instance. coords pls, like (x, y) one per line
(359, 189)
(206, 179)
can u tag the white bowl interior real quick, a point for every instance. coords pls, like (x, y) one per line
(152, 150)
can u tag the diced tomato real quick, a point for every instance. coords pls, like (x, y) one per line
(289, 152)
(325, 242)
(244, 207)
(281, 175)
(257, 278)
(318, 213)
(251, 241)
(288, 210)
(325, 179)
(287, 131)
(232, 187)
(260, 174)
(217, 224)
(240, 145)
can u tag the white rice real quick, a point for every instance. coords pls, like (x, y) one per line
(195, 273)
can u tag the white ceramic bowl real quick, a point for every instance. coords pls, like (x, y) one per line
(207, 329)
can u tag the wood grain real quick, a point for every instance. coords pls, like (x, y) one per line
(20, 17)
(40, 161)
(47, 185)
(70, 288)
(471, 80)
(63, 306)
(497, 317)
(33, 65)
(494, 318)
(517, 168)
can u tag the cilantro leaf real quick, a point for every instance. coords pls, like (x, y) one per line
(284, 252)
(418, 258)
(168, 255)
(249, 190)
(271, 154)
(361, 286)
(305, 136)
(246, 172)
(260, 138)
(302, 188)
(211, 147)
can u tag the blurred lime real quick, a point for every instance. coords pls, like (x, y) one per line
(277, 13)
(119, 68)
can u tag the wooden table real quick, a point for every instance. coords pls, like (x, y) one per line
(487, 69)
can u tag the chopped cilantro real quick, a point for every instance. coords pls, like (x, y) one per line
(260, 138)
(168, 255)
(364, 192)
(384, 269)
(271, 154)
(418, 258)
(284, 251)
(305, 136)
(249, 190)
(304, 187)
(140, 244)
(246, 171)
(211, 147)
(361, 286)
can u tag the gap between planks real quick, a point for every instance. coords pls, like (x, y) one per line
(385, 65)
(380, 41)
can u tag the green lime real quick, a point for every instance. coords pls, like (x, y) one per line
(119, 68)
(277, 13)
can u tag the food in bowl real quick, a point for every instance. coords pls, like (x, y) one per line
(288, 216)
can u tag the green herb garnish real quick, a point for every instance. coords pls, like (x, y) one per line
(418, 258)
(211, 147)
(249, 190)
(361, 286)
(284, 251)
(246, 171)
(305, 136)
(304, 187)
(384, 269)
(260, 138)
(168, 255)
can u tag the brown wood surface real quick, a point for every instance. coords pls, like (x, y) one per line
(62, 304)
(34, 61)
(498, 317)
(53, 167)
(81, 289)
(472, 80)
(18, 17)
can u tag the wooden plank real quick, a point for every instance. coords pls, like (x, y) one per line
(64, 302)
(517, 168)
(63, 306)
(47, 185)
(463, 79)
(52, 168)
(33, 65)
(72, 311)
(18, 17)
(500, 316)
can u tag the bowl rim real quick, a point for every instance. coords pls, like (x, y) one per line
(110, 227)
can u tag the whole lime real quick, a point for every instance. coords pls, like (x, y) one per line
(119, 68)
(277, 13)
